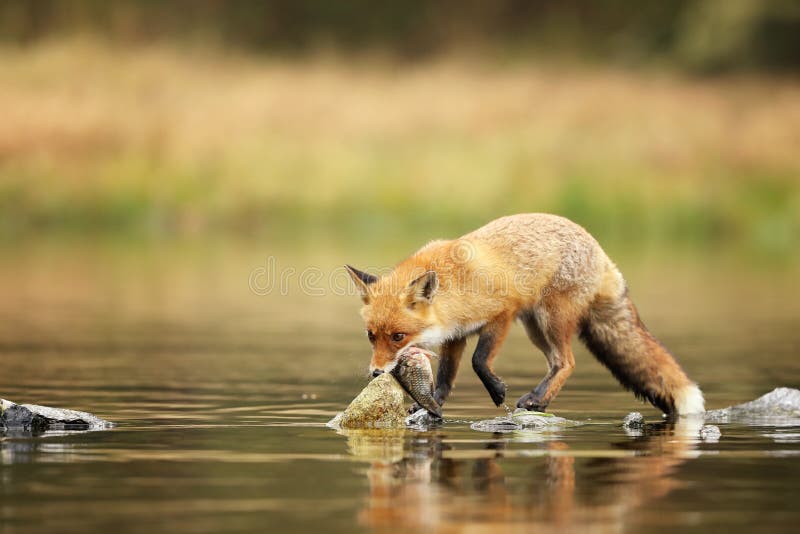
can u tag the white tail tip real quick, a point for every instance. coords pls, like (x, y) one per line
(689, 400)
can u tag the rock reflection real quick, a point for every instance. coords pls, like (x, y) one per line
(24, 446)
(424, 480)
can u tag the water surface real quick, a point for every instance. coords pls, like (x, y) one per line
(220, 396)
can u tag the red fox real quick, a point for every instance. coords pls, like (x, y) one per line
(542, 269)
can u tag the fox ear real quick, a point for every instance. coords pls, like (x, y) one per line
(361, 280)
(422, 289)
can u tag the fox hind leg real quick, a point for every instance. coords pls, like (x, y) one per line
(551, 333)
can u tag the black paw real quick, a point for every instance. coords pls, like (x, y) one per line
(440, 395)
(497, 390)
(532, 402)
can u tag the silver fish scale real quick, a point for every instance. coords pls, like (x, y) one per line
(413, 372)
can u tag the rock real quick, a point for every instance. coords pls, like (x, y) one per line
(498, 424)
(422, 419)
(336, 422)
(780, 403)
(633, 420)
(379, 405)
(530, 419)
(710, 433)
(523, 419)
(31, 417)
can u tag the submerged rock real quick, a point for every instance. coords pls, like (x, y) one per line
(31, 417)
(780, 403)
(529, 419)
(633, 420)
(710, 433)
(422, 419)
(379, 405)
(523, 419)
(498, 424)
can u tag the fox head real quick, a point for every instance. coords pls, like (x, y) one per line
(397, 313)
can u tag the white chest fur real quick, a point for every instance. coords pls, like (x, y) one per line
(436, 335)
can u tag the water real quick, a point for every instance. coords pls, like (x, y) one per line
(220, 398)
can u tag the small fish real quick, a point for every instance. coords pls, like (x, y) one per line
(413, 372)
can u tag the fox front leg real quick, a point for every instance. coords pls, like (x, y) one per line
(448, 367)
(490, 339)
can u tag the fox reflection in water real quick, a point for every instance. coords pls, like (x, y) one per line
(424, 481)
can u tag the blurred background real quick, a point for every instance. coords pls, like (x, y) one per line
(156, 156)
(674, 121)
(181, 182)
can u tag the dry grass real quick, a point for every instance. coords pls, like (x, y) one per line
(170, 140)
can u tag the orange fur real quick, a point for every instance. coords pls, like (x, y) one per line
(543, 269)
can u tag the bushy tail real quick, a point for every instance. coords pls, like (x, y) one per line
(617, 337)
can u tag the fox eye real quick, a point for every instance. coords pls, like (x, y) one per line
(398, 337)
(371, 336)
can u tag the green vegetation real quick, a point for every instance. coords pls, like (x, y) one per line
(152, 140)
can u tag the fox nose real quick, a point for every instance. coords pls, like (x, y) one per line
(377, 372)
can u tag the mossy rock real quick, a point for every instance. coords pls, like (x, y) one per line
(379, 405)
